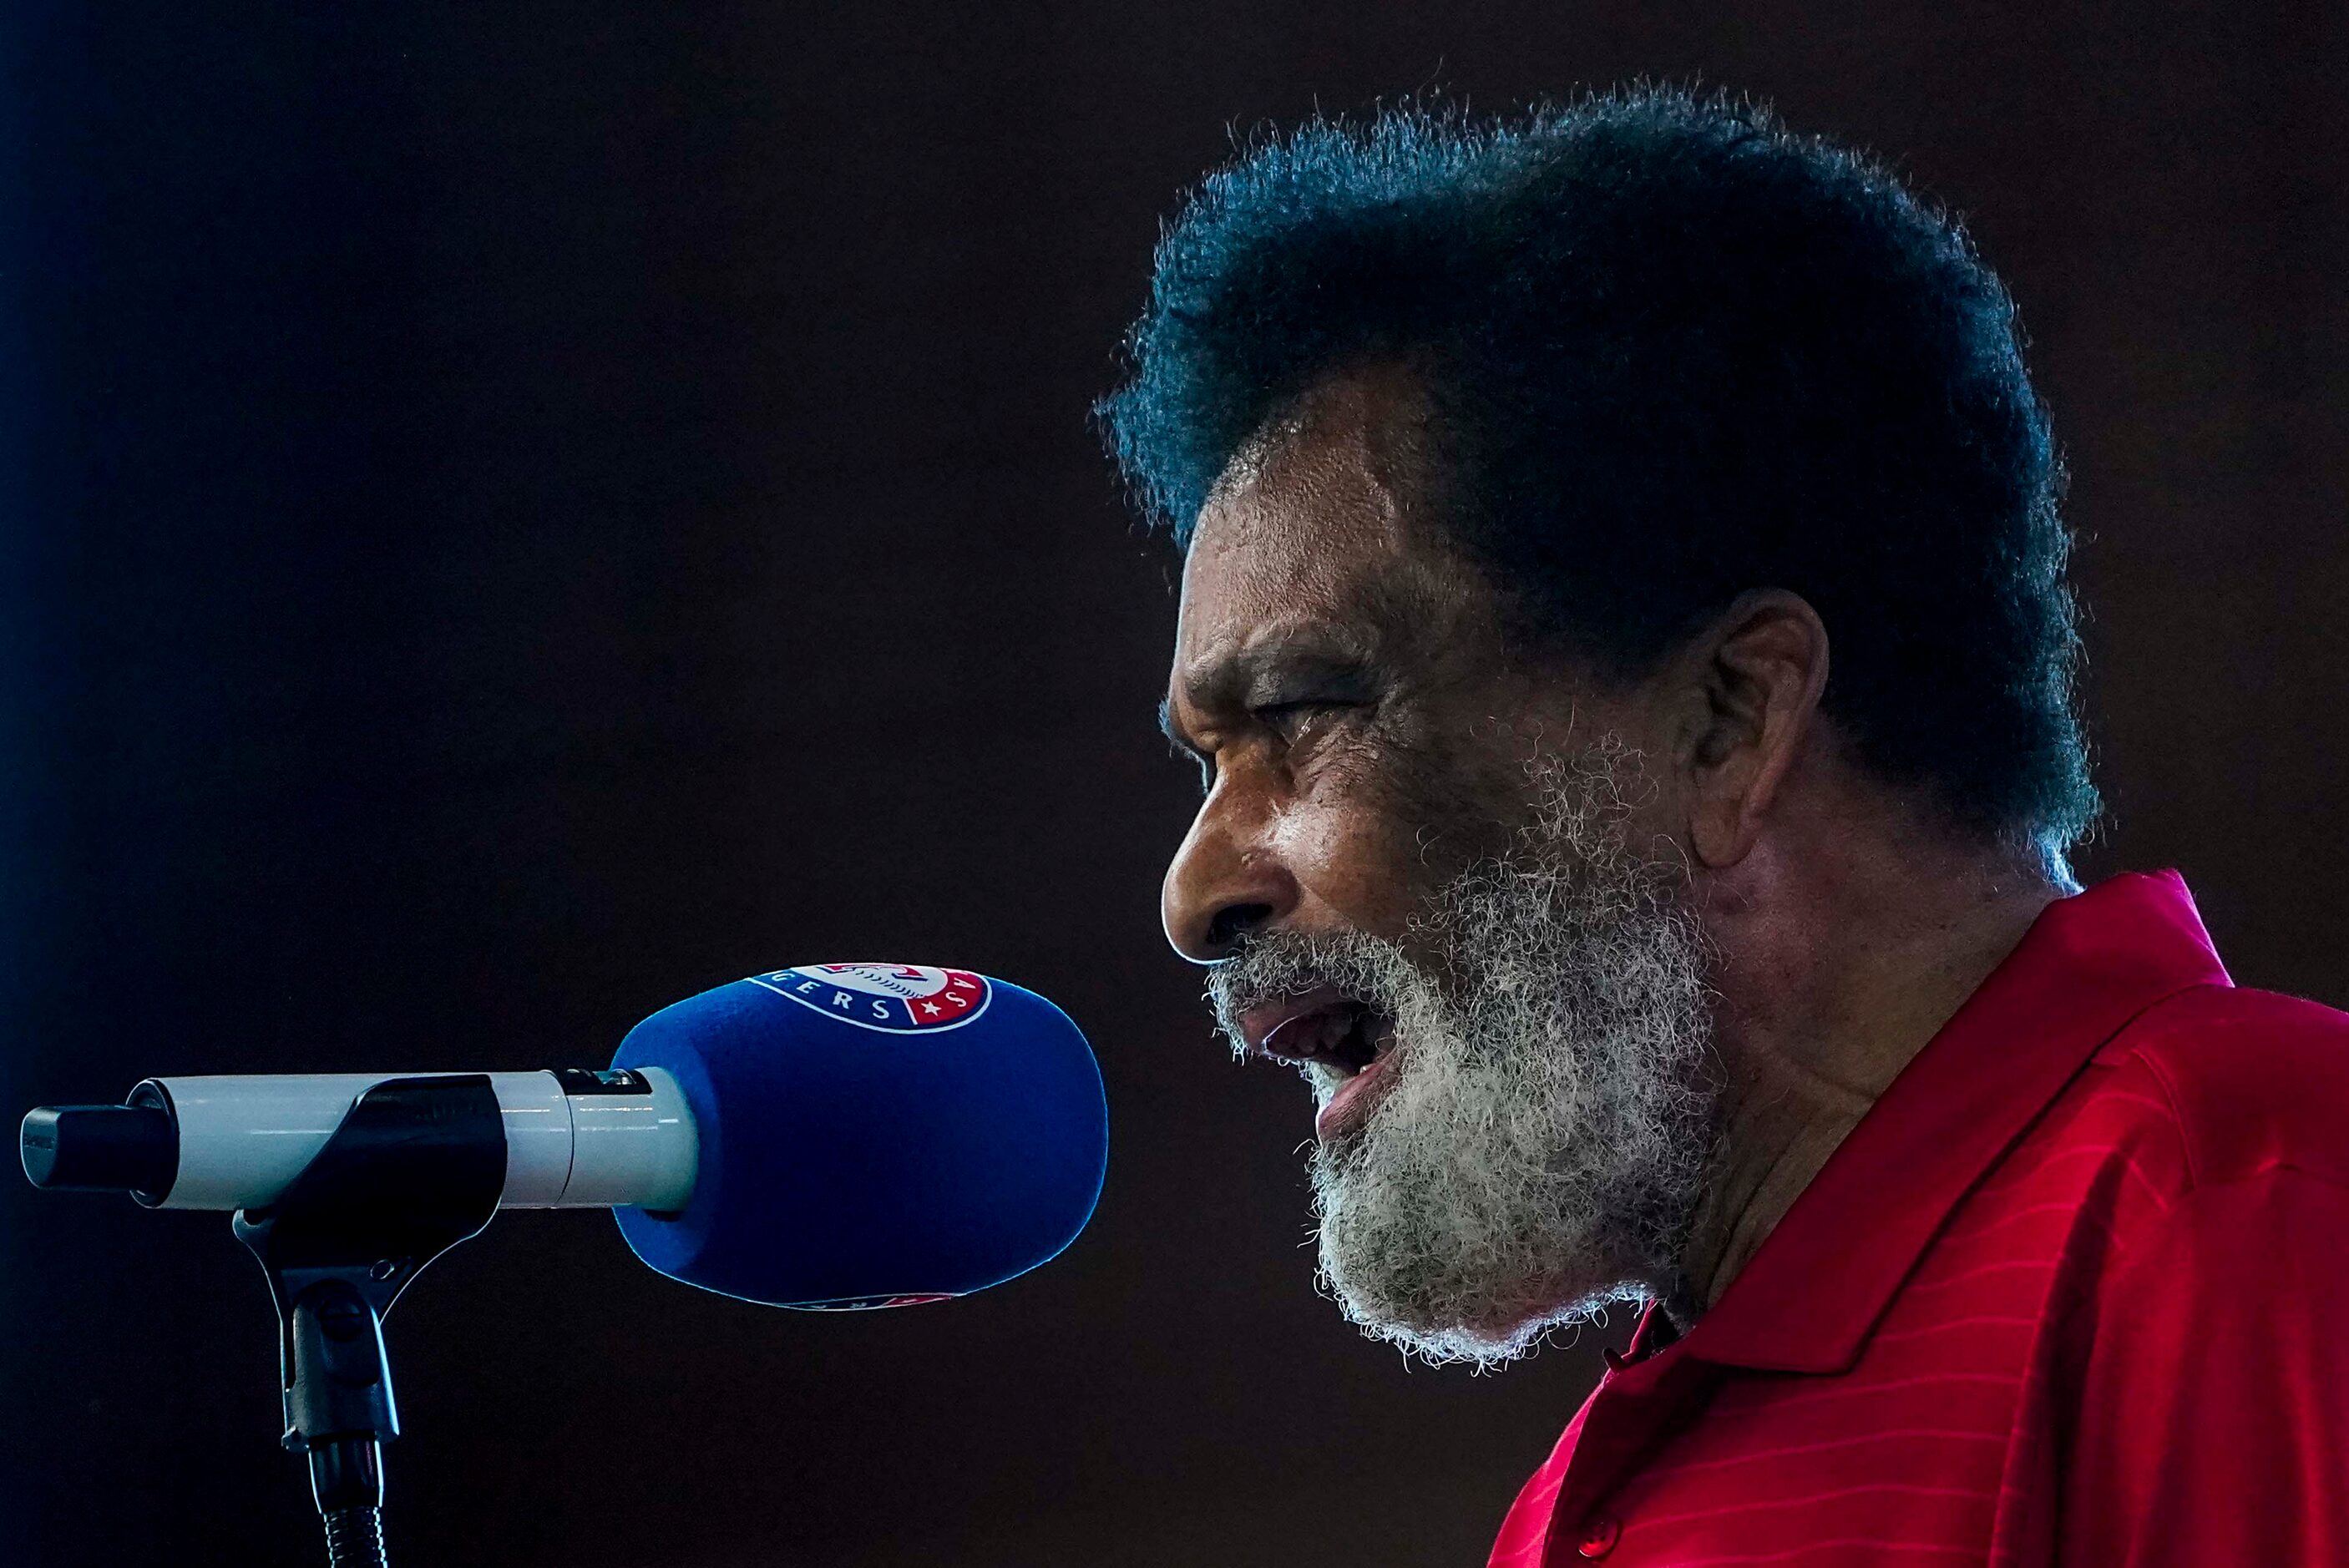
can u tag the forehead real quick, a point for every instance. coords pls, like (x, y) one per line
(1321, 526)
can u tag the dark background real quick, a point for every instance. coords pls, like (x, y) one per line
(513, 518)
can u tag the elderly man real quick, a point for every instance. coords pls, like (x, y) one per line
(1625, 639)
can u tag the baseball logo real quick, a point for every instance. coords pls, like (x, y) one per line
(895, 998)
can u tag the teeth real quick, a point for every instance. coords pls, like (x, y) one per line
(1309, 1037)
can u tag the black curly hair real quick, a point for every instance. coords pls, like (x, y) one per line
(1677, 353)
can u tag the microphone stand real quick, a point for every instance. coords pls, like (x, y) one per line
(414, 1169)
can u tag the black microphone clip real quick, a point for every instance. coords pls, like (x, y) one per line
(415, 1168)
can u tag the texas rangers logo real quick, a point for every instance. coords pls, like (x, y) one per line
(895, 998)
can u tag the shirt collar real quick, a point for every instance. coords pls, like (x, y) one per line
(1815, 1288)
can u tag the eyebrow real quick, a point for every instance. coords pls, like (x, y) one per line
(1254, 674)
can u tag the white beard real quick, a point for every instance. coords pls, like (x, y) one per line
(1541, 1146)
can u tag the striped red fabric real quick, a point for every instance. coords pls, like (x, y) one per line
(2076, 1291)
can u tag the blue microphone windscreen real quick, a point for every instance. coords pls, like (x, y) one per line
(873, 1135)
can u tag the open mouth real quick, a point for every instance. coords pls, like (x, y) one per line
(1344, 1045)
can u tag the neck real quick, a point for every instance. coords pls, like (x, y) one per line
(1835, 970)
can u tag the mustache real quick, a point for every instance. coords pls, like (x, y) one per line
(1273, 966)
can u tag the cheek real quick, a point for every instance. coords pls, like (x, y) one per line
(1355, 864)
(1370, 854)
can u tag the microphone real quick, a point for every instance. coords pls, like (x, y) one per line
(823, 1137)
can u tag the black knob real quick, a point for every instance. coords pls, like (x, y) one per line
(102, 1148)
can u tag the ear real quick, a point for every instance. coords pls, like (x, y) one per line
(1745, 693)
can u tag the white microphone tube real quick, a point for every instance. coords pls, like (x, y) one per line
(574, 1139)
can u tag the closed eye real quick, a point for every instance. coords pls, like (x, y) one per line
(1285, 720)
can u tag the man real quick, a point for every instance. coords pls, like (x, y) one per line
(1624, 635)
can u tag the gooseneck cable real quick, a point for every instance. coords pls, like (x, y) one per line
(355, 1538)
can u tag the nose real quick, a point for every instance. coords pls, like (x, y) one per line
(1224, 882)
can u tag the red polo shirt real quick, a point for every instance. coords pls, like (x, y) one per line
(2076, 1291)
